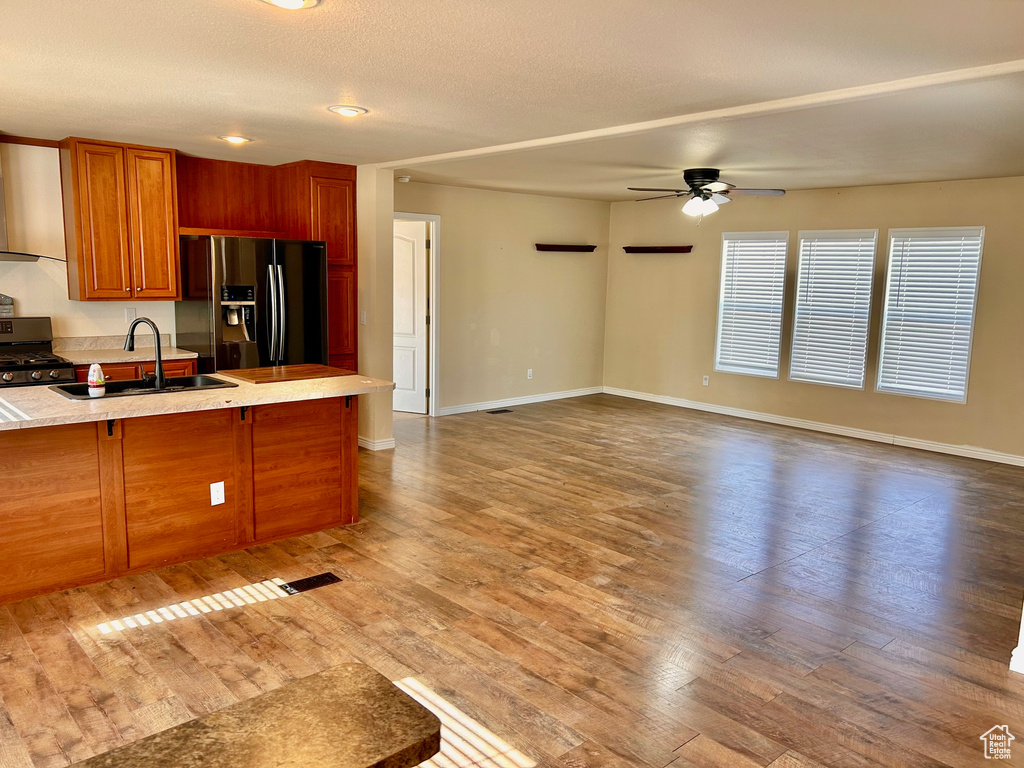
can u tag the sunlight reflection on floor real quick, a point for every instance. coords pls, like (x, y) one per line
(464, 741)
(229, 598)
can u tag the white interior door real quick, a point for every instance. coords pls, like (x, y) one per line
(410, 369)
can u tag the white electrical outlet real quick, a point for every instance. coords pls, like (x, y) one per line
(529, 373)
(706, 381)
(216, 493)
(129, 314)
(362, 317)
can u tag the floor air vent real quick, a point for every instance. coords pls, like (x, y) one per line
(304, 585)
(500, 410)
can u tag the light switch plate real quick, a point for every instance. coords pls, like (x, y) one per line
(129, 314)
(362, 317)
(216, 493)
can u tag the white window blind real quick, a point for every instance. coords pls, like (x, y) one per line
(833, 307)
(930, 296)
(750, 302)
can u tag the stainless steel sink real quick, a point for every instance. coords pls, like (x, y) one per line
(133, 387)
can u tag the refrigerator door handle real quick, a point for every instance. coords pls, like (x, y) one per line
(272, 311)
(283, 309)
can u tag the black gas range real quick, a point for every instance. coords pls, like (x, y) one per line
(26, 353)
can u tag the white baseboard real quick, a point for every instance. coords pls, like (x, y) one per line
(513, 401)
(376, 445)
(968, 451)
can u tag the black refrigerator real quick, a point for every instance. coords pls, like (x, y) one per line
(251, 302)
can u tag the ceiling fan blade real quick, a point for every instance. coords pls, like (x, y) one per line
(721, 199)
(659, 197)
(654, 189)
(718, 186)
(761, 192)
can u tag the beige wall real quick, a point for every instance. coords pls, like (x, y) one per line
(35, 224)
(662, 310)
(505, 307)
(374, 207)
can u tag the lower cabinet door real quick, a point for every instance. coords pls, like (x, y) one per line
(297, 452)
(170, 464)
(51, 528)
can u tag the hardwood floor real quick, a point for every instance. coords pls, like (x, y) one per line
(599, 582)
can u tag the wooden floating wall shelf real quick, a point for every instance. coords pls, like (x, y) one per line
(566, 248)
(657, 248)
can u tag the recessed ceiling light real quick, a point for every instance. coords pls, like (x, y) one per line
(293, 5)
(234, 139)
(347, 110)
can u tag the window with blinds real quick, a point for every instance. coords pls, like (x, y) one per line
(833, 307)
(750, 302)
(930, 295)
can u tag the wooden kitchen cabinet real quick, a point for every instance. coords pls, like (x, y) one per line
(51, 522)
(318, 202)
(128, 495)
(306, 200)
(170, 463)
(128, 371)
(171, 368)
(314, 439)
(120, 221)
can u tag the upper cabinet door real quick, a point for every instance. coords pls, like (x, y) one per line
(152, 214)
(333, 210)
(101, 234)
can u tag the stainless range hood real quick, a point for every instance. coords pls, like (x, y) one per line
(5, 254)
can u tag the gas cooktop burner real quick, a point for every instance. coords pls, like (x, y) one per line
(26, 354)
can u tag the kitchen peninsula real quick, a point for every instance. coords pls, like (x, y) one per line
(100, 488)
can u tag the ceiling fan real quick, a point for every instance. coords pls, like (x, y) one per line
(705, 191)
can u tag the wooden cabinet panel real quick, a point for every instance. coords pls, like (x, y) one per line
(120, 221)
(127, 371)
(52, 538)
(98, 232)
(169, 464)
(341, 311)
(292, 441)
(171, 368)
(332, 209)
(348, 362)
(152, 208)
(112, 372)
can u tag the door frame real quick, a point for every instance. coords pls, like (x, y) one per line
(433, 301)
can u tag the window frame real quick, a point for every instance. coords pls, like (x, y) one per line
(774, 236)
(837, 234)
(978, 231)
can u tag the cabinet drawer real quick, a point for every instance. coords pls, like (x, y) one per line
(172, 368)
(112, 372)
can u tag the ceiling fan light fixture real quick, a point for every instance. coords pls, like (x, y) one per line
(698, 206)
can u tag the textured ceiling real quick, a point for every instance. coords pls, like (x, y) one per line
(448, 75)
(961, 131)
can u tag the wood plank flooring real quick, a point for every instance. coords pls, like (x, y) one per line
(599, 582)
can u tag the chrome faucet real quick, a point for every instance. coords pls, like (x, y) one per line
(129, 346)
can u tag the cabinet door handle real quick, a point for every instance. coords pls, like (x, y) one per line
(129, 290)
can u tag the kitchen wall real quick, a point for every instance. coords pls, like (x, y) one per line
(662, 309)
(505, 307)
(35, 224)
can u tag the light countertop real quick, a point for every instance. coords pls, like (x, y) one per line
(140, 355)
(39, 406)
